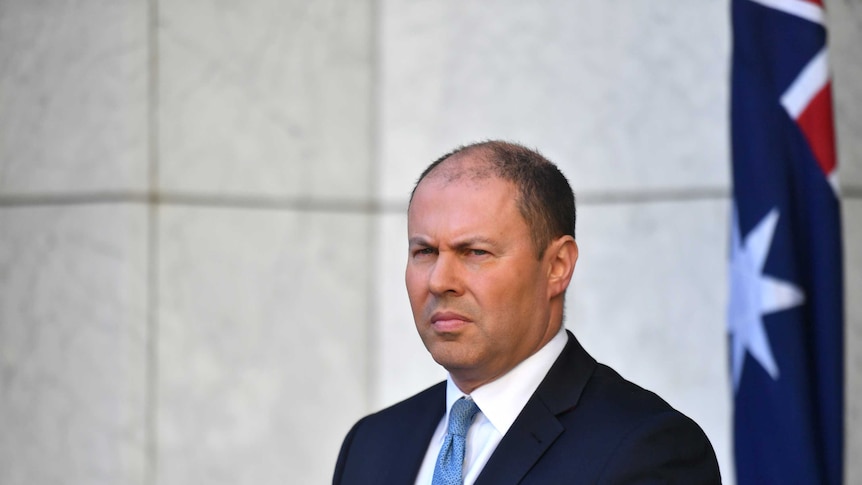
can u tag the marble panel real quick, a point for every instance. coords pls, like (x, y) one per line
(265, 98)
(73, 339)
(648, 298)
(845, 36)
(852, 215)
(262, 353)
(628, 95)
(73, 92)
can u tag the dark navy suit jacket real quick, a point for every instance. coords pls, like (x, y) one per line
(584, 425)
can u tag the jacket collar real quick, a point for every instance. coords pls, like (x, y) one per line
(537, 427)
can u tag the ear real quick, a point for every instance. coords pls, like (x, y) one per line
(562, 255)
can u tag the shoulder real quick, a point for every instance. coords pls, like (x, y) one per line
(612, 394)
(578, 383)
(619, 408)
(641, 435)
(430, 402)
(383, 445)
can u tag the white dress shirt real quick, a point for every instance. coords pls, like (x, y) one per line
(500, 402)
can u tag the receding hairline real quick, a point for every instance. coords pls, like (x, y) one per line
(473, 163)
(542, 194)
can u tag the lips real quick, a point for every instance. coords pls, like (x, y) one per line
(448, 321)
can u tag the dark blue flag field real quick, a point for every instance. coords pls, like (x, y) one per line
(786, 314)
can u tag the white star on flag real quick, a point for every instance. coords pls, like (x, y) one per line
(754, 294)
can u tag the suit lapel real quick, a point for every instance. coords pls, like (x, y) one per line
(537, 427)
(525, 442)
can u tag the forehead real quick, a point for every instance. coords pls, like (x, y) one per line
(464, 186)
(455, 207)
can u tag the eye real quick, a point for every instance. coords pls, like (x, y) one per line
(424, 251)
(477, 252)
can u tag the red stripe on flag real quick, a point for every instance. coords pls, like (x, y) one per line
(817, 125)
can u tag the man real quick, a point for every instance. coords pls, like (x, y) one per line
(491, 252)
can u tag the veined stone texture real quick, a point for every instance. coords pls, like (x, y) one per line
(624, 96)
(265, 98)
(261, 344)
(73, 345)
(73, 96)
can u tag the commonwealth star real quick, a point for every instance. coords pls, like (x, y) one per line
(754, 294)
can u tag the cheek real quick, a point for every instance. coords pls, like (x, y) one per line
(415, 288)
(514, 299)
(410, 279)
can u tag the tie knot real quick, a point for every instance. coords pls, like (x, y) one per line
(461, 415)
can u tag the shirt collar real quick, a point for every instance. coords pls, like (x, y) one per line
(502, 399)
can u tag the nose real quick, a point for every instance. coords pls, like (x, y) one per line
(444, 277)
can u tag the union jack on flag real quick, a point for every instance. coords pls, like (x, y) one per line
(786, 314)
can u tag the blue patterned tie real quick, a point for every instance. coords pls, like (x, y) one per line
(451, 457)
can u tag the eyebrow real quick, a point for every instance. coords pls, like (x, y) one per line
(418, 241)
(422, 241)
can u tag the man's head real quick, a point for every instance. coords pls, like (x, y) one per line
(545, 199)
(492, 251)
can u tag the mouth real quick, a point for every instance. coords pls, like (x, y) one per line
(446, 322)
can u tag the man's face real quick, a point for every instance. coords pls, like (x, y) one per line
(479, 295)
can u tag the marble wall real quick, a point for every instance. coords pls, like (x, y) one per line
(74, 401)
(184, 239)
(264, 163)
(202, 214)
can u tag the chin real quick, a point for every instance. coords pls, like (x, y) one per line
(450, 357)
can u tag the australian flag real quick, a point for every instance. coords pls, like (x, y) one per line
(786, 294)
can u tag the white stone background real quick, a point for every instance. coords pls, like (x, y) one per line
(202, 214)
